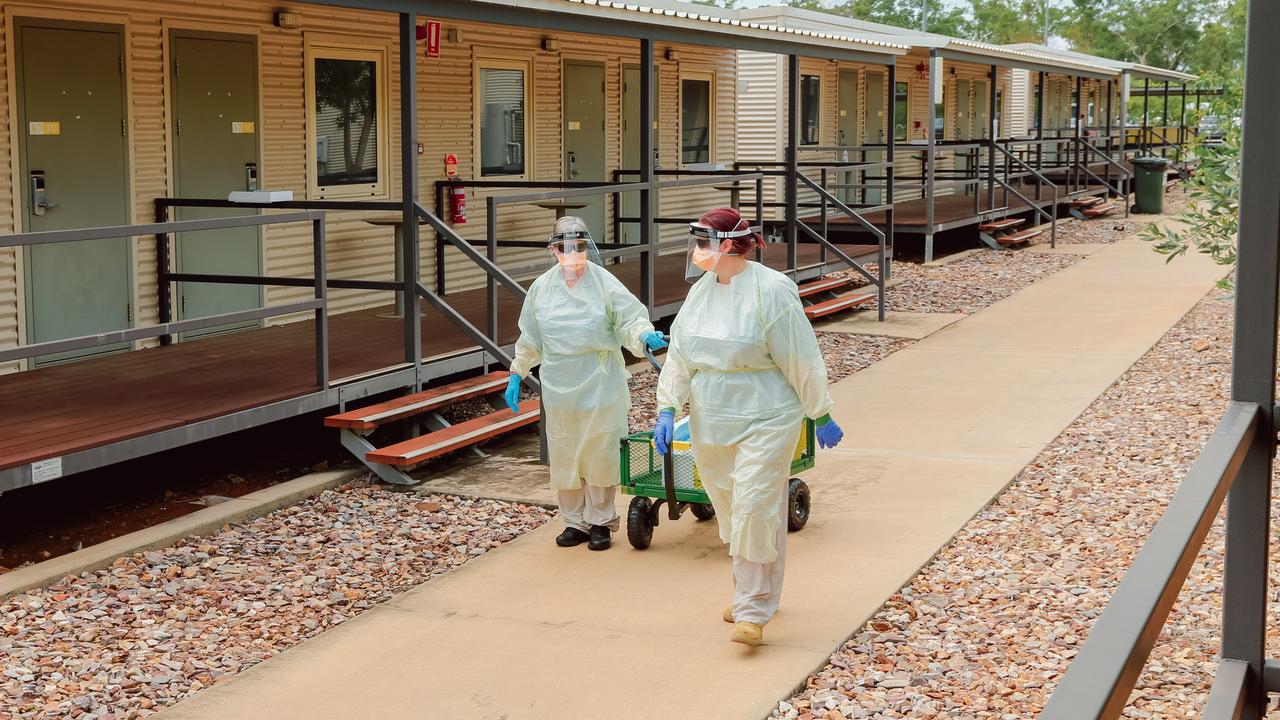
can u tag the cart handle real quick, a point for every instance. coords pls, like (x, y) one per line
(648, 354)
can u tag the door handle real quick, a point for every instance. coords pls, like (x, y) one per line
(251, 176)
(39, 200)
(573, 163)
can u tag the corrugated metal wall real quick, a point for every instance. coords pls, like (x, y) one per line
(445, 104)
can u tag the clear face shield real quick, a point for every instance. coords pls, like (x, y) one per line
(705, 249)
(572, 247)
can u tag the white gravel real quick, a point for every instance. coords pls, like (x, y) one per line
(987, 628)
(155, 627)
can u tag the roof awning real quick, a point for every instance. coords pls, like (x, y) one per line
(618, 19)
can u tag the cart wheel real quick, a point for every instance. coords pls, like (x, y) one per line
(640, 522)
(798, 508)
(703, 511)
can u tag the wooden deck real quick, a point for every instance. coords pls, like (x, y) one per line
(62, 409)
(948, 210)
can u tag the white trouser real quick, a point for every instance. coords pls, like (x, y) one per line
(757, 587)
(589, 505)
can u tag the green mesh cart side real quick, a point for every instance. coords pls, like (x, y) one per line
(641, 466)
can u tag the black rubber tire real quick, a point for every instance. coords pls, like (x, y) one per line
(798, 505)
(640, 522)
(702, 511)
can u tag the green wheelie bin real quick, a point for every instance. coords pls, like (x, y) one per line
(1148, 181)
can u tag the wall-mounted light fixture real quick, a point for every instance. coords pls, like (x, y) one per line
(550, 44)
(287, 20)
(454, 35)
(672, 55)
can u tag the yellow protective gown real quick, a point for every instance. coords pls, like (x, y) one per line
(745, 358)
(575, 333)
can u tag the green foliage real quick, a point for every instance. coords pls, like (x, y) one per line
(943, 18)
(1010, 21)
(1212, 219)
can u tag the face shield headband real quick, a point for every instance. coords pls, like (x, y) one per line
(704, 248)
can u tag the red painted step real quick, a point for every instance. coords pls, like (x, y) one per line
(368, 418)
(835, 305)
(1019, 238)
(457, 437)
(1004, 224)
(1085, 201)
(823, 285)
(1100, 210)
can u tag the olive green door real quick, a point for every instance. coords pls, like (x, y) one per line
(847, 129)
(74, 174)
(873, 127)
(584, 118)
(980, 102)
(965, 130)
(631, 145)
(215, 143)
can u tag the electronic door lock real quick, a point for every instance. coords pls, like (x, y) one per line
(251, 176)
(573, 163)
(39, 200)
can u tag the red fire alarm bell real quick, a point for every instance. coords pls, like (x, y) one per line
(433, 38)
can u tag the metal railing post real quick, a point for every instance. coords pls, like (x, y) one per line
(935, 66)
(409, 192)
(320, 270)
(164, 291)
(491, 252)
(1245, 586)
(822, 250)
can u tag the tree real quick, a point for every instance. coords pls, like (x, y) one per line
(1008, 21)
(1212, 219)
(943, 18)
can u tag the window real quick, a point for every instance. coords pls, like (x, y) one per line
(502, 97)
(901, 104)
(347, 114)
(940, 119)
(810, 109)
(695, 118)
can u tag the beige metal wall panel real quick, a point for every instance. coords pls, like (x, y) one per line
(1021, 106)
(761, 107)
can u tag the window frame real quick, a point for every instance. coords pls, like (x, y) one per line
(820, 111)
(502, 62)
(378, 53)
(701, 75)
(904, 116)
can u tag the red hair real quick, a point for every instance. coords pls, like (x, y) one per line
(727, 220)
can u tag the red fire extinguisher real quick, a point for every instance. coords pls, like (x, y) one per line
(457, 193)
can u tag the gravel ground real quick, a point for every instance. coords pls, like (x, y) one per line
(125, 641)
(971, 283)
(987, 627)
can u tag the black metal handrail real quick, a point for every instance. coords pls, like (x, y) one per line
(1103, 674)
(166, 328)
(828, 246)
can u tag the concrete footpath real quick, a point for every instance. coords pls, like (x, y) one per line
(933, 433)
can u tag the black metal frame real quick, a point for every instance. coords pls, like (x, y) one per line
(1236, 464)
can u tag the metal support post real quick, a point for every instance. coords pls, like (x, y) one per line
(792, 157)
(1040, 127)
(1245, 590)
(991, 141)
(1107, 168)
(886, 271)
(1125, 87)
(1078, 171)
(409, 192)
(648, 237)
(1145, 136)
(1164, 122)
(930, 154)
(1182, 120)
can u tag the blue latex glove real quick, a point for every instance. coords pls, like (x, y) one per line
(828, 432)
(655, 340)
(512, 395)
(664, 430)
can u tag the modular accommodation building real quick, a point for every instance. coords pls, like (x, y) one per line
(127, 269)
(1136, 80)
(959, 112)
